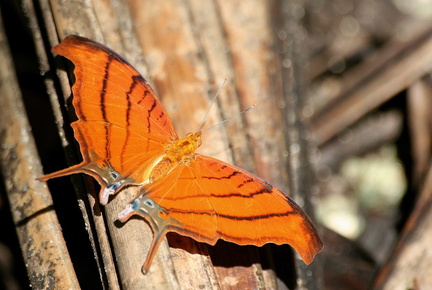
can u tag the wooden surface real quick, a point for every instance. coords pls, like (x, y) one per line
(411, 263)
(38, 229)
(186, 64)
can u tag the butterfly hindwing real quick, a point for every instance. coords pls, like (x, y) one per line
(207, 199)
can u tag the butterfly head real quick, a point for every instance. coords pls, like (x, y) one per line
(184, 148)
(194, 139)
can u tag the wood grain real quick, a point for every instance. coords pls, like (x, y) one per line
(39, 233)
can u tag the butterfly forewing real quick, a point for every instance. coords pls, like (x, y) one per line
(122, 128)
(108, 89)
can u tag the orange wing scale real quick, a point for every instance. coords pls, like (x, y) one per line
(127, 138)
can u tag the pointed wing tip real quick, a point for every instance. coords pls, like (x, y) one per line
(42, 178)
(49, 176)
(103, 201)
(105, 193)
(125, 214)
(73, 44)
(144, 270)
(314, 248)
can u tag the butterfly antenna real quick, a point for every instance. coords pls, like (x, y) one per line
(226, 120)
(211, 104)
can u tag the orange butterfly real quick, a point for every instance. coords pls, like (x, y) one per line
(127, 138)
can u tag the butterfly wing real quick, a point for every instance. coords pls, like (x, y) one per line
(122, 128)
(208, 200)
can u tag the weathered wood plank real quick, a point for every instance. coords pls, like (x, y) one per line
(40, 236)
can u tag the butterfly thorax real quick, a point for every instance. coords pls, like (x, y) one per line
(178, 152)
